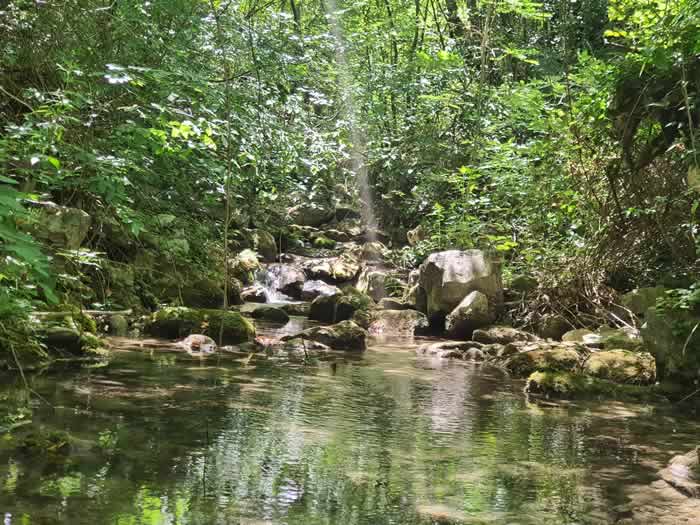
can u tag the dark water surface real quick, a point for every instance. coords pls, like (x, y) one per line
(160, 437)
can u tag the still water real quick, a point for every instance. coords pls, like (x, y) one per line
(159, 437)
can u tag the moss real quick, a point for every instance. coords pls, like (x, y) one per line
(566, 385)
(324, 242)
(622, 366)
(339, 307)
(41, 443)
(271, 313)
(558, 359)
(177, 322)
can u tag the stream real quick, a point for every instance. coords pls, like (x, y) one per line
(385, 437)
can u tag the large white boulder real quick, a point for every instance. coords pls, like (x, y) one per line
(446, 278)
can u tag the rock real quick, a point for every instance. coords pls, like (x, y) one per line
(297, 309)
(69, 332)
(472, 313)
(448, 277)
(558, 358)
(501, 335)
(345, 335)
(552, 326)
(625, 338)
(337, 235)
(311, 214)
(641, 299)
(389, 303)
(397, 322)
(339, 269)
(373, 251)
(583, 336)
(683, 473)
(324, 243)
(443, 348)
(416, 235)
(523, 283)
(286, 278)
(572, 385)
(118, 325)
(264, 243)
(244, 266)
(346, 213)
(474, 354)
(415, 297)
(665, 336)
(373, 283)
(254, 294)
(413, 278)
(177, 322)
(198, 344)
(62, 226)
(313, 289)
(339, 307)
(499, 351)
(622, 366)
(271, 313)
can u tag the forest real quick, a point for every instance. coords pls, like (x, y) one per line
(475, 221)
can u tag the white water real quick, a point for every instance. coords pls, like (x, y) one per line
(350, 114)
(270, 279)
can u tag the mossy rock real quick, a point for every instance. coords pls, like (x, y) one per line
(345, 335)
(178, 322)
(567, 385)
(557, 359)
(72, 332)
(42, 443)
(271, 313)
(339, 307)
(622, 366)
(324, 243)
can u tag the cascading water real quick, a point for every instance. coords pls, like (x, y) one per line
(271, 280)
(350, 114)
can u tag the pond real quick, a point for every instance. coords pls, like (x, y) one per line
(387, 437)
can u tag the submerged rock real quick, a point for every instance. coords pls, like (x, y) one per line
(297, 309)
(448, 349)
(397, 322)
(345, 335)
(177, 322)
(448, 277)
(683, 473)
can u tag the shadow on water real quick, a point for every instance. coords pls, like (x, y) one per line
(161, 437)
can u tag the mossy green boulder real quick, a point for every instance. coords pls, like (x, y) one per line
(270, 313)
(622, 366)
(178, 322)
(568, 385)
(339, 307)
(556, 359)
(324, 242)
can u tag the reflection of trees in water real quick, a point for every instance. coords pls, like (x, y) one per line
(361, 446)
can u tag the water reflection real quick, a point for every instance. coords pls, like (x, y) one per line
(390, 438)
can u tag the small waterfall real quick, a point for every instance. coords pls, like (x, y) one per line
(270, 279)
